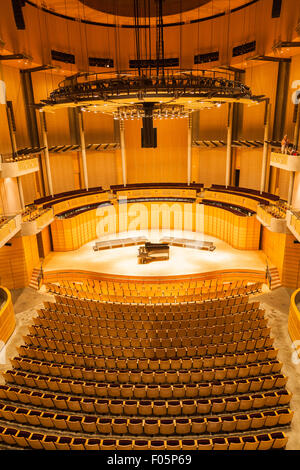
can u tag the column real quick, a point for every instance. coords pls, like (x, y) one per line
(295, 142)
(11, 127)
(83, 151)
(123, 152)
(266, 145)
(280, 105)
(31, 120)
(12, 133)
(189, 150)
(46, 151)
(229, 144)
(21, 194)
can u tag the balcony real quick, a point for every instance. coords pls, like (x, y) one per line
(19, 166)
(293, 223)
(285, 162)
(34, 220)
(272, 217)
(9, 227)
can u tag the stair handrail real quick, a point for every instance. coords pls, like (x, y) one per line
(268, 274)
(41, 274)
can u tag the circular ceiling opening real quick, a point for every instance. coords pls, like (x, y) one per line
(145, 8)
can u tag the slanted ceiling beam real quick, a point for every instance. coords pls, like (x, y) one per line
(265, 58)
(14, 57)
(282, 44)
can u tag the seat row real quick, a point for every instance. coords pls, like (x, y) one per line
(161, 350)
(142, 286)
(45, 335)
(171, 308)
(132, 287)
(182, 297)
(144, 407)
(195, 320)
(145, 364)
(81, 387)
(42, 325)
(42, 441)
(148, 426)
(136, 376)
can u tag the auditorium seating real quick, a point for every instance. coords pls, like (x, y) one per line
(147, 292)
(187, 376)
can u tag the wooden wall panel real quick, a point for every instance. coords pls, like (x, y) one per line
(62, 172)
(70, 234)
(102, 169)
(291, 267)
(46, 240)
(262, 80)
(29, 188)
(9, 196)
(213, 123)
(98, 128)
(11, 77)
(212, 166)
(167, 162)
(17, 261)
(283, 184)
(296, 193)
(250, 168)
(273, 245)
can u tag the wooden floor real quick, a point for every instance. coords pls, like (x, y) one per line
(123, 261)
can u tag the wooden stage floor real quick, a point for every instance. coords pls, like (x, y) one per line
(183, 261)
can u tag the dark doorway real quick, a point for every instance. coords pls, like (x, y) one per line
(40, 245)
(236, 177)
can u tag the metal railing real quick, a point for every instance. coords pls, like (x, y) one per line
(41, 274)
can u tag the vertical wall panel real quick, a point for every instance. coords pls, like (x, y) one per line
(167, 162)
(62, 172)
(102, 169)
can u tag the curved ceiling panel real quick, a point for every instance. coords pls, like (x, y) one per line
(145, 9)
(105, 12)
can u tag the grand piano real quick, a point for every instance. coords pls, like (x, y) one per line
(153, 252)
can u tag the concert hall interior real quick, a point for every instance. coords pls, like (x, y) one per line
(149, 225)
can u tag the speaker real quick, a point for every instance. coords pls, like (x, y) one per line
(276, 9)
(149, 137)
(149, 133)
(17, 6)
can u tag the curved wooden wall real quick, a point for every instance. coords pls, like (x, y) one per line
(251, 275)
(294, 317)
(7, 317)
(239, 231)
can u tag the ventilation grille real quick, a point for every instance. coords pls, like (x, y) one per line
(204, 58)
(99, 62)
(244, 49)
(153, 63)
(63, 57)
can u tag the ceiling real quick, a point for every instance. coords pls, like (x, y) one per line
(104, 11)
(145, 8)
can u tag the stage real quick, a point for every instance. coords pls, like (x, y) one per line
(182, 261)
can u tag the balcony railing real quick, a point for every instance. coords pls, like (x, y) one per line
(285, 161)
(273, 217)
(19, 166)
(9, 226)
(34, 220)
